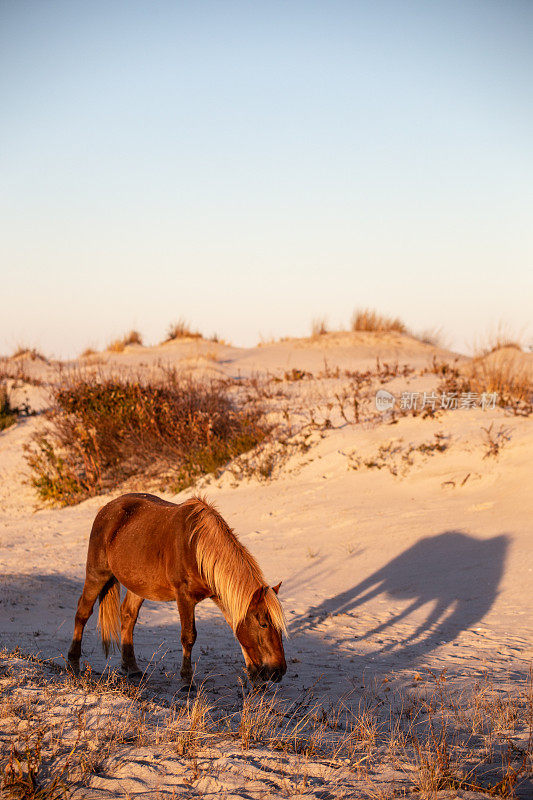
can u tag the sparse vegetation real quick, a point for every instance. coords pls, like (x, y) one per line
(369, 320)
(319, 326)
(28, 352)
(495, 440)
(102, 431)
(432, 336)
(58, 733)
(181, 330)
(133, 337)
(8, 415)
(297, 374)
(504, 374)
(398, 458)
(499, 339)
(118, 345)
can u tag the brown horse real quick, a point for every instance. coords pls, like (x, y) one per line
(163, 551)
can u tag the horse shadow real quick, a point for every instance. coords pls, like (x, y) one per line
(455, 574)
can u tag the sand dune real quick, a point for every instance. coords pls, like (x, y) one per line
(399, 561)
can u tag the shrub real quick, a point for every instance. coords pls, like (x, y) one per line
(181, 330)
(7, 413)
(105, 430)
(368, 320)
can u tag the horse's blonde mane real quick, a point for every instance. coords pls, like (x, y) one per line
(229, 570)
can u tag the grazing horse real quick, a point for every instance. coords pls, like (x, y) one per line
(187, 553)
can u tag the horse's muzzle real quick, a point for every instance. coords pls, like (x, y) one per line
(264, 674)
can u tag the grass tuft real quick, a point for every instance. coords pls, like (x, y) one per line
(369, 320)
(319, 326)
(29, 352)
(181, 330)
(118, 345)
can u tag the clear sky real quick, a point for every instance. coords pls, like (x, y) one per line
(252, 165)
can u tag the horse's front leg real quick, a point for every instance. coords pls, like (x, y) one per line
(186, 606)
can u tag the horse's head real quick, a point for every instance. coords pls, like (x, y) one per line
(259, 634)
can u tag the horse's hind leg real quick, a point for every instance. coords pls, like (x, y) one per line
(91, 589)
(186, 606)
(129, 611)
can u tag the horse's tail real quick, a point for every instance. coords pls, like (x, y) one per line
(109, 614)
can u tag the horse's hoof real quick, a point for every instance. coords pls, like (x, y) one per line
(132, 674)
(74, 667)
(189, 687)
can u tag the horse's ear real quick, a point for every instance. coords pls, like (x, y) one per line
(276, 588)
(258, 596)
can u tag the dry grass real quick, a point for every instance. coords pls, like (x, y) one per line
(133, 337)
(89, 351)
(433, 336)
(369, 320)
(319, 327)
(494, 440)
(499, 339)
(22, 351)
(182, 330)
(118, 345)
(57, 733)
(504, 373)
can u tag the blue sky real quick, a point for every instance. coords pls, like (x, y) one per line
(250, 166)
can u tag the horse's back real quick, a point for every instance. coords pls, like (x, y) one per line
(142, 539)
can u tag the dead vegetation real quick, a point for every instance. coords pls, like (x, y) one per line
(399, 458)
(59, 734)
(119, 345)
(369, 320)
(182, 330)
(504, 375)
(319, 327)
(494, 440)
(500, 338)
(22, 351)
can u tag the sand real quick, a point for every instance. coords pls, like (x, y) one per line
(391, 573)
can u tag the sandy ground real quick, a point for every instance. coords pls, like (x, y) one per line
(387, 578)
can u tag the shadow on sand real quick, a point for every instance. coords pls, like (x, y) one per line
(456, 574)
